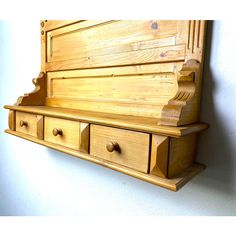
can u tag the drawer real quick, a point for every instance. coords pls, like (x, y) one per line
(30, 124)
(124, 147)
(71, 134)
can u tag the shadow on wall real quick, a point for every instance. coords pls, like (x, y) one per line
(214, 149)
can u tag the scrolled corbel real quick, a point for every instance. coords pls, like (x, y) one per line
(37, 96)
(182, 109)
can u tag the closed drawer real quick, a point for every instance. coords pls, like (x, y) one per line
(124, 147)
(71, 134)
(30, 124)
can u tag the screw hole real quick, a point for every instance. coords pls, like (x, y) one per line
(154, 25)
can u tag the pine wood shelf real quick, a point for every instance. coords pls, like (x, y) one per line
(122, 94)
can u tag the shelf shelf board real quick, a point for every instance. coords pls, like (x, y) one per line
(143, 124)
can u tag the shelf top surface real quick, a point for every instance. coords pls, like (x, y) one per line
(142, 124)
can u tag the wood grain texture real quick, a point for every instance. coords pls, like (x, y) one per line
(182, 109)
(144, 89)
(191, 33)
(131, 90)
(116, 71)
(12, 120)
(136, 85)
(173, 184)
(159, 156)
(36, 97)
(196, 38)
(134, 37)
(40, 127)
(55, 24)
(43, 45)
(125, 71)
(70, 136)
(131, 42)
(133, 146)
(143, 124)
(181, 154)
(140, 95)
(157, 55)
(84, 137)
(34, 124)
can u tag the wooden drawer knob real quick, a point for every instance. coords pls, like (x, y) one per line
(23, 123)
(113, 146)
(57, 131)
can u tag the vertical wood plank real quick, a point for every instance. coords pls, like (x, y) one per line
(43, 46)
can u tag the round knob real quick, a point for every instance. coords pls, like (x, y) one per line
(112, 146)
(23, 123)
(57, 131)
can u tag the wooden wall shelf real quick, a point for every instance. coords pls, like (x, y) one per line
(122, 94)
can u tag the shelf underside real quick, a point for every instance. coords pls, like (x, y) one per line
(142, 124)
(173, 184)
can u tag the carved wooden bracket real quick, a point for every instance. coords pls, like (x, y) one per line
(178, 111)
(37, 96)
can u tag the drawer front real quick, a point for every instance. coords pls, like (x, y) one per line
(71, 134)
(120, 146)
(30, 124)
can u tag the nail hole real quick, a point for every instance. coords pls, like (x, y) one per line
(162, 54)
(154, 25)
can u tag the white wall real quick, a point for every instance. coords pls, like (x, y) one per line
(35, 180)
